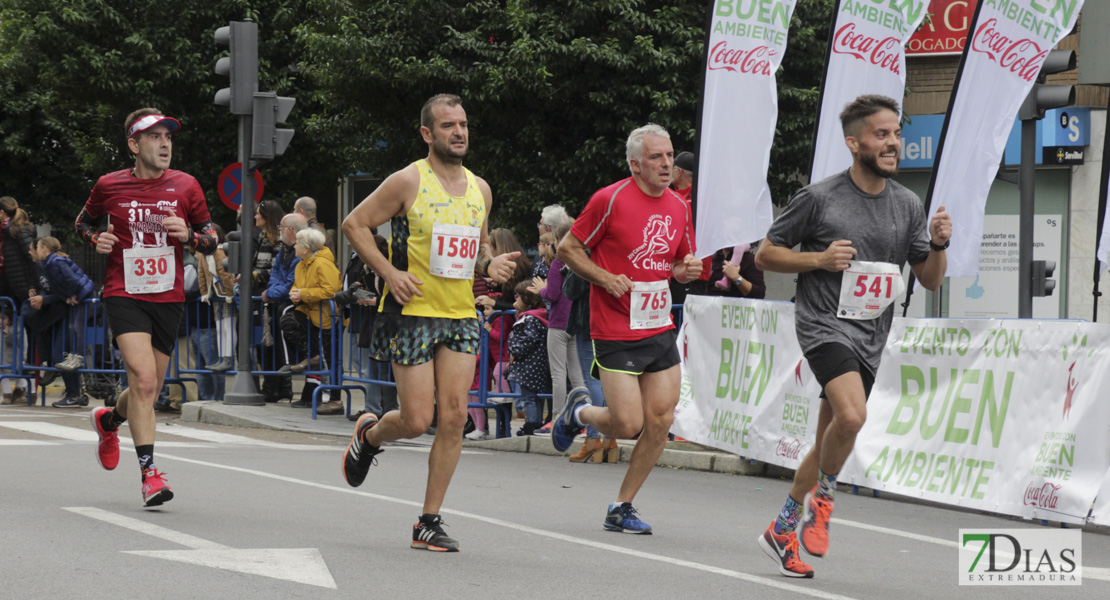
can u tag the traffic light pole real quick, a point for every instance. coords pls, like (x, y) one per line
(243, 390)
(1027, 187)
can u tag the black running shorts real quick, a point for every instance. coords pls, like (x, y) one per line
(831, 360)
(649, 355)
(159, 319)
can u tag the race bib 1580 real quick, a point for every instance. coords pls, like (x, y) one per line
(454, 251)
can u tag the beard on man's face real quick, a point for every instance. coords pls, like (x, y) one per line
(871, 162)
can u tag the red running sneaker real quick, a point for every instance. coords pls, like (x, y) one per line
(783, 549)
(813, 530)
(155, 490)
(107, 450)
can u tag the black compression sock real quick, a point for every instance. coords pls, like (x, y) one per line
(146, 457)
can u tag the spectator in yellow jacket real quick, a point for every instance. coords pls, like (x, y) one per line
(308, 327)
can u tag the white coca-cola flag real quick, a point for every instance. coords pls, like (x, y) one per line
(867, 57)
(1007, 44)
(747, 41)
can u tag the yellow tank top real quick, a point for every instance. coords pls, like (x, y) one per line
(410, 248)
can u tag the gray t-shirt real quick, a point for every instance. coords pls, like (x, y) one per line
(886, 227)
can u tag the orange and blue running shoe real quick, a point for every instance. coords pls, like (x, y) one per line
(813, 530)
(783, 549)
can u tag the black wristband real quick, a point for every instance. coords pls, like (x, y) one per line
(937, 248)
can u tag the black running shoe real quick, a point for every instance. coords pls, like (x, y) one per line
(428, 534)
(360, 455)
(72, 402)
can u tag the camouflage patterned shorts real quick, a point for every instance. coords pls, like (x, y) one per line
(408, 340)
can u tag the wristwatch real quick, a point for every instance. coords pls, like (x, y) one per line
(739, 278)
(937, 248)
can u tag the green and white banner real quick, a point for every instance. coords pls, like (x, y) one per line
(1007, 416)
(746, 388)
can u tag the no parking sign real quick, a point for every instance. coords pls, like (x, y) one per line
(230, 186)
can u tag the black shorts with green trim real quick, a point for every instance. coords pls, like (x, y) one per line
(408, 340)
(636, 357)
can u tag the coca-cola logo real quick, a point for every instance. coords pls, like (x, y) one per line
(757, 61)
(1043, 496)
(1021, 57)
(789, 447)
(885, 54)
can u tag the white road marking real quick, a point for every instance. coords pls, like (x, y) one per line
(302, 565)
(53, 430)
(28, 443)
(774, 583)
(157, 531)
(220, 437)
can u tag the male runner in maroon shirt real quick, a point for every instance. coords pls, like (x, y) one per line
(150, 214)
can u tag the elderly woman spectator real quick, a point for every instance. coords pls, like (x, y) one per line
(308, 326)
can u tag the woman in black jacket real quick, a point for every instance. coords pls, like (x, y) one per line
(17, 234)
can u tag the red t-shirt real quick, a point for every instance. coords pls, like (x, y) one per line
(135, 209)
(640, 236)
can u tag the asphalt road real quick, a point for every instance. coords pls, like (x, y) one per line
(263, 514)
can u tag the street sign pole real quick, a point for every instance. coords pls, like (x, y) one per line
(1027, 190)
(243, 390)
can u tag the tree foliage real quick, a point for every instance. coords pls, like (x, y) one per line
(72, 70)
(551, 87)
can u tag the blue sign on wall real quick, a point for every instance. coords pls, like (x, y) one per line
(1069, 126)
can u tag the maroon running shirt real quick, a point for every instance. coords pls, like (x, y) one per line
(135, 209)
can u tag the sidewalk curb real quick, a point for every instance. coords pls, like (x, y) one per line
(280, 418)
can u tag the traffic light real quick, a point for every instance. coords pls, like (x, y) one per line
(270, 110)
(240, 65)
(1043, 97)
(1043, 284)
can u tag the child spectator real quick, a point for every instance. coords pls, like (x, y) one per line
(528, 349)
(65, 286)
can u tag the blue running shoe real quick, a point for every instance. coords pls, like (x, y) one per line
(622, 517)
(564, 428)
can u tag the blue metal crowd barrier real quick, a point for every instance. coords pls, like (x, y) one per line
(346, 366)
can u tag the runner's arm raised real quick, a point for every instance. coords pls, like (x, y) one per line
(780, 259)
(573, 252)
(202, 238)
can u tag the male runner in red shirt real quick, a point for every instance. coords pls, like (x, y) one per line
(151, 214)
(640, 234)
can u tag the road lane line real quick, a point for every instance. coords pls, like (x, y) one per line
(53, 430)
(774, 583)
(169, 535)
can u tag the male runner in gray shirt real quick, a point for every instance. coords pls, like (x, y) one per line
(856, 229)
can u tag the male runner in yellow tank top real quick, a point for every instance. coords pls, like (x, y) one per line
(427, 326)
